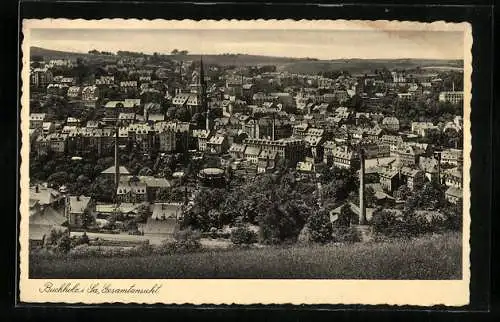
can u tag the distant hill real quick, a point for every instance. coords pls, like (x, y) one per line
(223, 59)
(366, 65)
(293, 65)
(55, 54)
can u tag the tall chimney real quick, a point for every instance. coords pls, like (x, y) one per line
(362, 209)
(439, 166)
(207, 120)
(117, 166)
(274, 126)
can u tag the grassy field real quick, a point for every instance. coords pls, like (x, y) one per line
(431, 257)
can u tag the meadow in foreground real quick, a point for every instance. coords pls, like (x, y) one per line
(428, 257)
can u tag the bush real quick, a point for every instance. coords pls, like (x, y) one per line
(320, 227)
(386, 223)
(64, 244)
(243, 236)
(55, 235)
(142, 250)
(80, 240)
(86, 251)
(187, 240)
(345, 235)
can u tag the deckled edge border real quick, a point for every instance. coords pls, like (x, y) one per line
(441, 25)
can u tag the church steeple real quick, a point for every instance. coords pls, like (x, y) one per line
(203, 95)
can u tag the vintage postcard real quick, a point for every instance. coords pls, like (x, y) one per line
(245, 162)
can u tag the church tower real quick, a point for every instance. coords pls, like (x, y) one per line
(203, 95)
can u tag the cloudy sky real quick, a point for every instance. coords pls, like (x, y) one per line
(322, 44)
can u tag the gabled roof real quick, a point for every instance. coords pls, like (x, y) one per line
(268, 154)
(454, 191)
(428, 165)
(45, 196)
(237, 147)
(154, 182)
(166, 211)
(111, 170)
(159, 227)
(251, 150)
(202, 134)
(78, 204)
(48, 216)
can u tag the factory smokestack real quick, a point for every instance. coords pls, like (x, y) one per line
(362, 209)
(117, 166)
(274, 127)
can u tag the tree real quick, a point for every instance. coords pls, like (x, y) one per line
(243, 236)
(145, 171)
(320, 227)
(198, 119)
(402, 193)
(199, 216)
(386, 223)
(87, 218)
(346, 216)
(182, 114)
(58, 179)
(64, 244)
(429, 197)
(175, 52)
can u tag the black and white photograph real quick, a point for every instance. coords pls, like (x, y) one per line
(244, 151)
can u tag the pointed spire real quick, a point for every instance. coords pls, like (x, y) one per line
(203, 95)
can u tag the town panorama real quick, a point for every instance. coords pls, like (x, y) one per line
(284, 162)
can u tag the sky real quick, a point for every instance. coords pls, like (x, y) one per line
(321, 44)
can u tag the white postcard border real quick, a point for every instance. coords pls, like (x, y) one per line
(203, 291)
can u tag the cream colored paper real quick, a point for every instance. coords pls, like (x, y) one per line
(392, 292)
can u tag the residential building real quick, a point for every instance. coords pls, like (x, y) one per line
(414, 178)
(344, 157)
(409, 155)
(237, 150)
(40, 77)
(37, 120)
(394, 141)
(105, 80)
(202, 137)
(430, 167)
(453, 194)
(292, 150)
(451, 156)
(389, 179)
(267, 161)
(128, 86)
(453, 178)
(453, 97)
(74, 92)
(76, 206)
(398, 77)
(217, 144)
(132, 190)
(328, 150)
